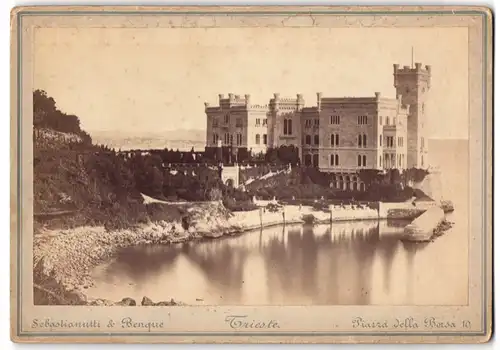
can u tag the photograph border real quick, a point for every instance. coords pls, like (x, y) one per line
(17, 193)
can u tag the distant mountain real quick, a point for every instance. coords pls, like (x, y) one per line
(179, 139)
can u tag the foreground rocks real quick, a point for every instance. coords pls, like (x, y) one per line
(131, 302)
(422, 228)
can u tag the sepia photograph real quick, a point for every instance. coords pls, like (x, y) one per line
(243, 167)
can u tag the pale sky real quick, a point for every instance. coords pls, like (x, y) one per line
(149, 80)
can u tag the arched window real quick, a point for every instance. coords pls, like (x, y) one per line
(264, 139)
(359, 160)
(316, 140)
(364, 160)
(332, 160)
(364, 140)
(336, 159)
(359, 141)
(308, 139)
(307, 159)
(337, 139)
(257, 139)
(316, 160)
(332, 139)
(386, 120)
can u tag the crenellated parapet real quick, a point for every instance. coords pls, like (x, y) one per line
(422, 72)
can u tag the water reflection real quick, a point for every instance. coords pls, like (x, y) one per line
(342, 263)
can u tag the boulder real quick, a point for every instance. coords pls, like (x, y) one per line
(126, 302)
(146, 302)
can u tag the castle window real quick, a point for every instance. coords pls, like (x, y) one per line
(332, 140)
(315, 160)
(308, 139)
(316, 122)
(308, 123)
(226, 119)
(336, 159)
(287, 127)
(264, 139)
(307, 159)
(231, 140)
(364, 160)
(239, 139)
(215, 138)
(332, 159)
(364, 140)
(362, 119)
(257, 139)
(359, 160)
(360, 141)
(335, 119)
(257, 122)
(390, 141)
(316, 140)
(264, 121)
(226, 138)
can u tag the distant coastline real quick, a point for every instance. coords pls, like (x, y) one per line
(183, 140)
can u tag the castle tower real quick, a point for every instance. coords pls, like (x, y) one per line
(413, 84)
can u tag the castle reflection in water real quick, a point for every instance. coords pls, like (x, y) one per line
(292, 265)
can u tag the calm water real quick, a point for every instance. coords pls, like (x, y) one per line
(345, 263)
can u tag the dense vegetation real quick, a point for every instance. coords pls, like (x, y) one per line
(310, 183)
(98, 185)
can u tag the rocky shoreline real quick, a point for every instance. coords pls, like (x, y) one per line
(63, 259)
